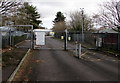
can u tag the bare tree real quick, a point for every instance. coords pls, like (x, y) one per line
(8, 9)
(59, 22)
(77, 19)
(59, 26)
(9, 6)
(109, 15)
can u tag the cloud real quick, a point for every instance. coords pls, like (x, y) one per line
(49, 8)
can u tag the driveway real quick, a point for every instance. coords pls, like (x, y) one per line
(50, 64)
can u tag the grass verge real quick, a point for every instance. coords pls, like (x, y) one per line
(10, 61)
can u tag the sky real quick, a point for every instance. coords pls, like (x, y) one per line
(49, 8)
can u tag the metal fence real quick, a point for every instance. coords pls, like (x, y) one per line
(108, 41)
(10, 40)
(14, 34)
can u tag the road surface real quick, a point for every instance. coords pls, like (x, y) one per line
(59, 65)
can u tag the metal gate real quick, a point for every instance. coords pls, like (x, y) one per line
(56, 40)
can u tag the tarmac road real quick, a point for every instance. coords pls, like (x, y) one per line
(58, 65)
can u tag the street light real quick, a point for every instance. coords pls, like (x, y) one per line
(82, 10)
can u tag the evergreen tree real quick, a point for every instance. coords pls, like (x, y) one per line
(59, 17)
(59, 22)
(28, 15)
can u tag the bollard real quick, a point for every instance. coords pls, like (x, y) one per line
(76, 51)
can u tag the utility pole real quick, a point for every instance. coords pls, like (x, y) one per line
(118, 11)
(82, 10)
(0, 19)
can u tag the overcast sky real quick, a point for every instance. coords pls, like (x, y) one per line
(49, 8)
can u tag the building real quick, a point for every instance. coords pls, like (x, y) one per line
(108, 38)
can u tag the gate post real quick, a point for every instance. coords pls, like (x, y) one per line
(32, 37)
(65, 38)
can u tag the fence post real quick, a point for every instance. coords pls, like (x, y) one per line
(79, 55)
(76, 50)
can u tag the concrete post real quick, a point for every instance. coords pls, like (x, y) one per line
(76, 50)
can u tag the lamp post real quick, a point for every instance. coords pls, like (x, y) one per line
(82, 10)
(118, 12)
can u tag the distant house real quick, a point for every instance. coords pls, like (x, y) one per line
(107, 38)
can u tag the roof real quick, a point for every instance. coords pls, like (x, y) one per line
(108, 30)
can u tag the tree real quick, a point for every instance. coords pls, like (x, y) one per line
(59, 17)
(77, 18)
(8, 8)
(28, 15)
(109, 15)
(59, 22)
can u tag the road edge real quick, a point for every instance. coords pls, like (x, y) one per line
(18, 67)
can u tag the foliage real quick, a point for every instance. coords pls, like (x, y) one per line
(59, 17)
(59, 22)
(28, 15)
(14, 11)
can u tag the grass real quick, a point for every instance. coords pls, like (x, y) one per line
(13, 57)
(110, 51)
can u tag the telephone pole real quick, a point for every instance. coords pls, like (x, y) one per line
(82, 10)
